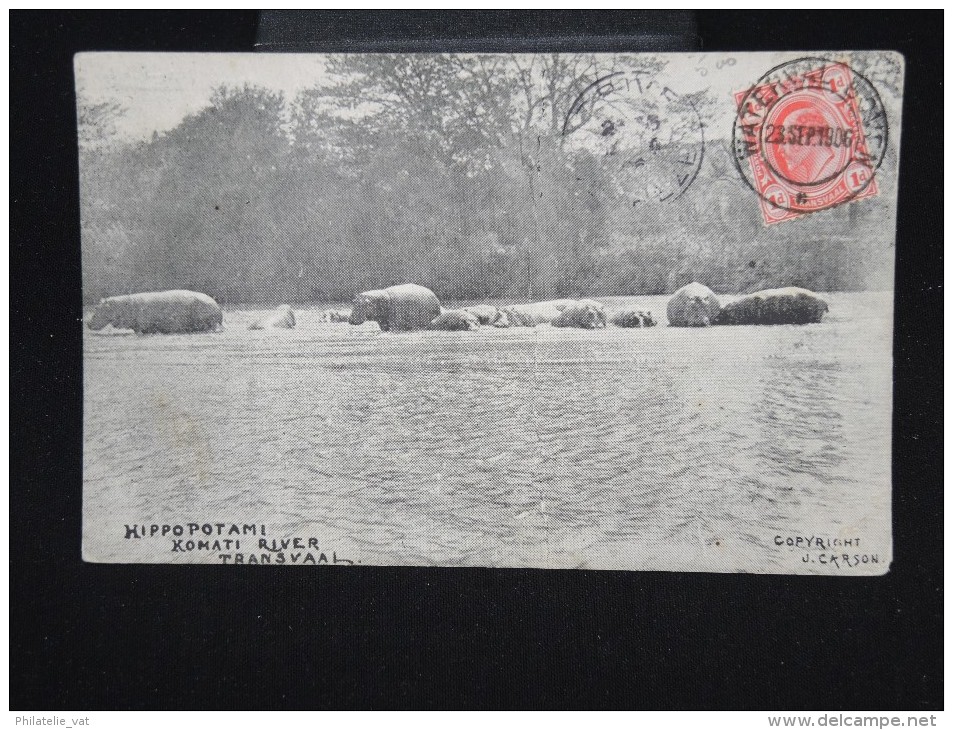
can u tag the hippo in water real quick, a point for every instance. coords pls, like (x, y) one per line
(530, 315)
(584, 314)
(790, 305)
(632, 318)
(694, 305)
(487, 314)
(455, 320)
(165, 312)
(283, 318)
(402, 307)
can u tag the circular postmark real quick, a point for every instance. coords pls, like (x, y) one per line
(654, 134)
(809, 135)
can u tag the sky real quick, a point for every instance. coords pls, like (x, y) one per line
(158, 90)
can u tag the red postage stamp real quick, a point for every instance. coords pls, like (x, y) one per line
(802, 136)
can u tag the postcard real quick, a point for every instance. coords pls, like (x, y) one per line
(568, 310)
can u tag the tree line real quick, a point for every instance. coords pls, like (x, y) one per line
(452, 172)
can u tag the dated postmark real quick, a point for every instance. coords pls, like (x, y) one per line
(655, 133)
(809, 135)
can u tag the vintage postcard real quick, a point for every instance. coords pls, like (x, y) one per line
(600, 311)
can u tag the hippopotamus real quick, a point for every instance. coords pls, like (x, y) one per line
(502, 320)
(530, 315)
(283, 318)
(789, 305)
(402, 307)
(694, 305)
(166, 312)
(487, 314)
(454, 320)
(633, 318)
(585, 314)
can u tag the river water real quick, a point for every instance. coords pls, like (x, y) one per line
(661, 448)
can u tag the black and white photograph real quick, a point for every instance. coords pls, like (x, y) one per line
(468, 360)
(564, 310)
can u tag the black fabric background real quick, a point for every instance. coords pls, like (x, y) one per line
(164, 637)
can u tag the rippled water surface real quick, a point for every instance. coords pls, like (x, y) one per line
(656, 448)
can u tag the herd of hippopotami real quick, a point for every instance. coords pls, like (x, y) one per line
(406, 307)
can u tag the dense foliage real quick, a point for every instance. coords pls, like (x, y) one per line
(448, 171)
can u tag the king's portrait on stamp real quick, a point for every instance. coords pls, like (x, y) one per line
(554, 310)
